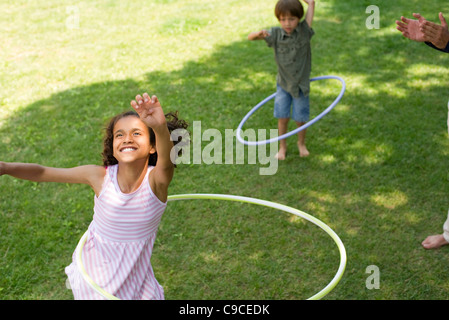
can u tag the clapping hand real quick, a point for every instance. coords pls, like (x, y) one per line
(423, 30)
(411, 28)
(437, 34)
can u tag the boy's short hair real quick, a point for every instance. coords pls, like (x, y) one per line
(293, 7)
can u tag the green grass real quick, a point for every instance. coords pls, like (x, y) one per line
(377, 174)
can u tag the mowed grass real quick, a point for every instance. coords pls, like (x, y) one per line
(377, 174)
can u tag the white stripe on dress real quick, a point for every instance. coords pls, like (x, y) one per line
(117, 253)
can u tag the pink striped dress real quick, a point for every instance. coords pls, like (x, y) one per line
(117, 252)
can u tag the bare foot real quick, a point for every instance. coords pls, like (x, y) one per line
(281, 154)
(434, 242)
(303, 152)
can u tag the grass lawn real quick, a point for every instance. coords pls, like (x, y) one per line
(377, 173)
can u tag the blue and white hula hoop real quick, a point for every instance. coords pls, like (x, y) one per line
(269, 204)
(288, 134)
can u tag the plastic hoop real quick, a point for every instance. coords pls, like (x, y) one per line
(288, 134)
(87, 278)
(265, 203)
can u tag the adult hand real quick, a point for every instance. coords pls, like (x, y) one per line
(437, 34)
(411, 28)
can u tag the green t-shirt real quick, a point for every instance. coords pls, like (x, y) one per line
(293, 57)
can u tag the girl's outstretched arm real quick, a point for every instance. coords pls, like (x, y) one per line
(151, 113)
(310, 11)
(89, 174)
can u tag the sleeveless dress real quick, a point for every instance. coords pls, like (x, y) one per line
(117, 252)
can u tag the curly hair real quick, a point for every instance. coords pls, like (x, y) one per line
(173, 123)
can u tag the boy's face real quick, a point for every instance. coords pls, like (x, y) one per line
(288, 22)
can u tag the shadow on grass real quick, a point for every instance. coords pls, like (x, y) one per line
(376, 174)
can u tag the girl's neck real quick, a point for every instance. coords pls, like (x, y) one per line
(131, 175)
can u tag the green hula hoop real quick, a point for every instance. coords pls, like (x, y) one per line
(82, 270)
(331, 285)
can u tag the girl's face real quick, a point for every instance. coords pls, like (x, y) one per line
(131, 140)
(288, 22)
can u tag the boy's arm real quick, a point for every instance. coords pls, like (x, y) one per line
(258, 35)
(310, 11)
(89, 174)
(151, 113)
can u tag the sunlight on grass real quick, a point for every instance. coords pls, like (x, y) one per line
(210, 257)
(358, 82)
(297, 220)
(321, 205)
(377, 173)
(362, 152)
(361, 83)
(423, 75)
(327, 158)
(413, 218)
(378, 154)
(390, 200)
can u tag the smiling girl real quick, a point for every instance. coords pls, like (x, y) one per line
(130, 197)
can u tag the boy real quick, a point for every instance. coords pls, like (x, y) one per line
(291, 43)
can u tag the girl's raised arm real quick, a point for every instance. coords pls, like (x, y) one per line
(151, 113)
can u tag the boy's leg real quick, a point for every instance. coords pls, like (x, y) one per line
(301, 113)
(282, 104)
(282, 129)
(303, 152)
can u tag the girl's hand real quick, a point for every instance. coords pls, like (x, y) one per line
(2, 168)
(309, 2)
(149, 110)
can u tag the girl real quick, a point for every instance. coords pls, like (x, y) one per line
(130, 198)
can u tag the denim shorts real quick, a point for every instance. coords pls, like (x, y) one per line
(286, 106)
